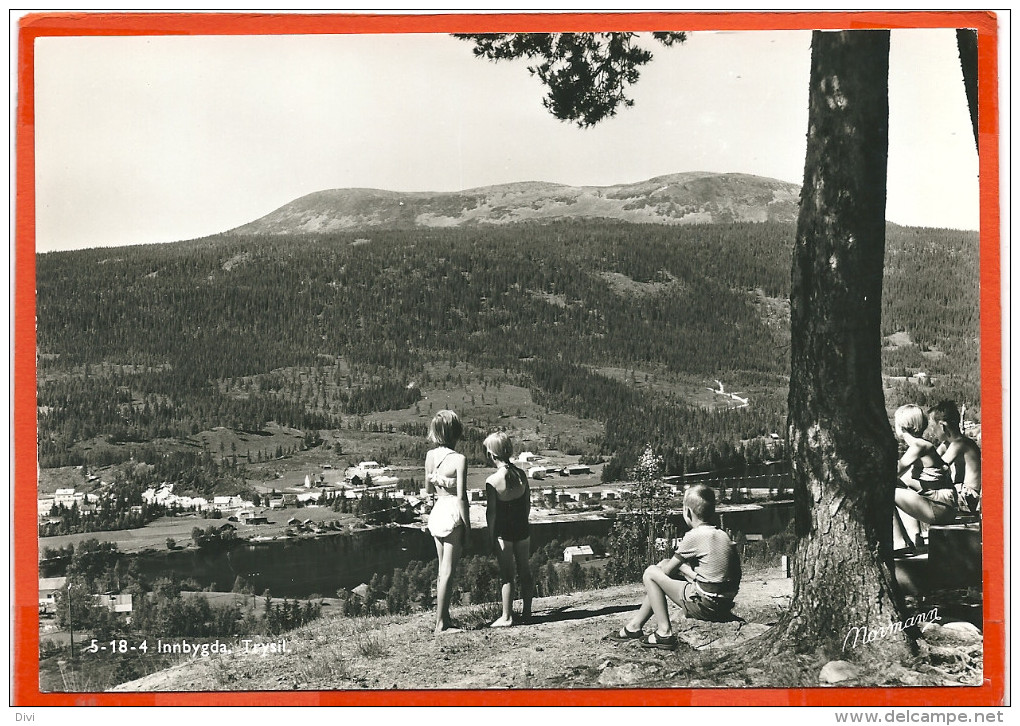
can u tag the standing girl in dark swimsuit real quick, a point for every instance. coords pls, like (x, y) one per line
(507, 509)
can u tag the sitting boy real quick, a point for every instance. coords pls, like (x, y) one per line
(961, 453)
(707, 560)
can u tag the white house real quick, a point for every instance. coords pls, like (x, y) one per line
(115, 603)
(48, 589)
(580, 553)
(64, 497)
(537, 472)
(233, 502)
(526, 456)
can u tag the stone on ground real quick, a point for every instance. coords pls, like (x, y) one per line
(837, 671)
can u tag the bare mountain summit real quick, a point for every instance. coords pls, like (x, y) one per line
(688, 198)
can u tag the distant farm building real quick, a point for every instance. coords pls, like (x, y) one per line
(122, 603)
(538, 472)
(252, 518)
(48, 589)
(575, 469)
(64, 497)
(222, 503)
(580, 553)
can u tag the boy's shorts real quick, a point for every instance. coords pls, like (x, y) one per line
(702, 607)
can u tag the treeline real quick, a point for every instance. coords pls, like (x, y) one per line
(410, 589)
(168, 340)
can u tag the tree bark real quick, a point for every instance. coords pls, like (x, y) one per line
(966, 42)
(841, 443)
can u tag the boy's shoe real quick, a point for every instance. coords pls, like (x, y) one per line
(654, 640)
(624, 634)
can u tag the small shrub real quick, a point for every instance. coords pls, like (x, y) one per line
(369, 645)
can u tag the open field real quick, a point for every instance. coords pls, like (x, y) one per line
(154, 535)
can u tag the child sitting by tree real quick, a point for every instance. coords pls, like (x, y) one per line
(925, 492)
(960, 452)
(708, 562)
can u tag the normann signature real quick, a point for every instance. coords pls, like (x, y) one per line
(866, 635)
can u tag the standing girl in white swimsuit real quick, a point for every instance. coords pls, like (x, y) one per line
(449, 521)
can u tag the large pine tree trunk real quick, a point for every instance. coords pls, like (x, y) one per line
(842, 446)
(966, 42)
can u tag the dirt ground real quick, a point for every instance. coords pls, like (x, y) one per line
(565, 647)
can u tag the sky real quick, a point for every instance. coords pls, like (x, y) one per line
(156, 139)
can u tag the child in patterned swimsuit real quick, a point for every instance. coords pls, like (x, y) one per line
(927, 494)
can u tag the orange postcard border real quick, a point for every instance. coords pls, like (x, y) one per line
(25, 691)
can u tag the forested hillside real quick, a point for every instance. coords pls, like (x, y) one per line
(165, 341)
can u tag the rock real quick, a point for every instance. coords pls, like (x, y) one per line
(955, 633)
(962, 630)
(837, 671)
(623, 675)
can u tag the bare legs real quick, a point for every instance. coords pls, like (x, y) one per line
(914, 510)
(505, 557)
(658, 586)
(448, 550)
(905, 531)
(511, 556)
(522, 553)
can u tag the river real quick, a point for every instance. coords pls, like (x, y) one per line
(298, 567)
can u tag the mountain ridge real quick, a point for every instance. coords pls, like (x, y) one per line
(680, 198)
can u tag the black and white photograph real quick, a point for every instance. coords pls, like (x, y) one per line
(510, 361)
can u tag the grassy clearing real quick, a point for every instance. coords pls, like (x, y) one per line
(565, 647)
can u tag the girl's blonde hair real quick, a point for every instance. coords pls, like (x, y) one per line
(499, 445)
(911, 419)
(445, 429)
